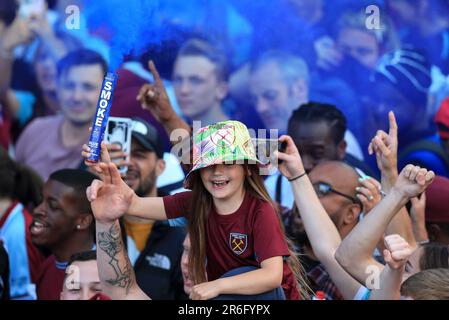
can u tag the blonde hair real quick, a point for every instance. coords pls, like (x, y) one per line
(201, 205)
(430, 284)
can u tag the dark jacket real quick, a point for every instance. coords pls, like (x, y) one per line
(158, 267)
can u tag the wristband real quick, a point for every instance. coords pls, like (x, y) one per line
(421, 243)
(296, 178)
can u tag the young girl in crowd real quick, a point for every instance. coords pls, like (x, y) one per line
(231, 219)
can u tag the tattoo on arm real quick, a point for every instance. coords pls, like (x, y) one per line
(111, 243)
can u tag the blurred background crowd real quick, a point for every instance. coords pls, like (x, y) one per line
(325, 72)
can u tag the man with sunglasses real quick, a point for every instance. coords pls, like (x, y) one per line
(335, 183)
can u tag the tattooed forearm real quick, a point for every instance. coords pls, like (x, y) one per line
(111, 243)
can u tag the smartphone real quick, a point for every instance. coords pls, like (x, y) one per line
(118, 131)
(28, 8)
(266, 147)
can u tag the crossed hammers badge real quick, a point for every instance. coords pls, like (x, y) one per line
(238, 242)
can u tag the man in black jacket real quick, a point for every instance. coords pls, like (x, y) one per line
(154, 248)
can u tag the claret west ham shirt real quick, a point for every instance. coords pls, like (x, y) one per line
(246, 237)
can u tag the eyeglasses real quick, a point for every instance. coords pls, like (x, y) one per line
(323, 189)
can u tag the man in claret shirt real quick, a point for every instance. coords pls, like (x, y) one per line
(63, 224)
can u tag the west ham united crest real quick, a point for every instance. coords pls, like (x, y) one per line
(238, 242)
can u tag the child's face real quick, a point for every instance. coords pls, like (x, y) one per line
(223, 180)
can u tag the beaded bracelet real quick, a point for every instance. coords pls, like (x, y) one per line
(296, 178)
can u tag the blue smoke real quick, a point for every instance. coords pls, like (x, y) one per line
(123, 21)
(136, 25)
(244, 28)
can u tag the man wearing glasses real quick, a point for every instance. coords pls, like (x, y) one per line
(335, 183)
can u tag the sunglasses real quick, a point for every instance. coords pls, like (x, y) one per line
(323, 189)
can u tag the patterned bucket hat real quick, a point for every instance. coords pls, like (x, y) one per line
(223, 142)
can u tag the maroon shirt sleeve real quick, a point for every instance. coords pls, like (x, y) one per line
(269, 240)
(178, 204)
(49, 285)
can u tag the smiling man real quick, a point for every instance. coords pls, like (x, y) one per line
(279, 83)
(52, 143)
(154, 248)
(200, 81)
(62, 224)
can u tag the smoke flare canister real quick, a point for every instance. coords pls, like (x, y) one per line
(101, 116)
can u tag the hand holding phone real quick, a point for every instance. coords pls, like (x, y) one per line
(118, 133)
(266, 147)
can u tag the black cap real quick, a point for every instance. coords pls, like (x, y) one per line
(147, 136)
(409, 71)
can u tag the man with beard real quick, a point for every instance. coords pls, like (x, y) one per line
(154, 248)
(63, 224)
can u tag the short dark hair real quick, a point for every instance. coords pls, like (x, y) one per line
(19, 182)
(80, 57)
(83, 256)
(315, 112)
(8, 11)
(435, 255)
(212, 52)
(79, 180)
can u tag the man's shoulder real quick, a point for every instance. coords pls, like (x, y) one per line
(162, 229)
(37, 130)
(43, 124)
(47, 120)
(164, 241)
(360, 165)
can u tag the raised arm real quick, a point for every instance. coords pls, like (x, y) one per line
(355, 251)
(14, 35)
(385, 146)
(112, 188)
(321, 231)
(418, 215)
(396, 254)
(41, 27)
(154, 98)
(117, 276)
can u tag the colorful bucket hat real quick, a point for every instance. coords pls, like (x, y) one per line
(223, 142)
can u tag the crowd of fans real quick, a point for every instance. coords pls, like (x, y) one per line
(356, 203)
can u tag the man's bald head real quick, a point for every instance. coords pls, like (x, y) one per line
(335, 183)
(339, 174)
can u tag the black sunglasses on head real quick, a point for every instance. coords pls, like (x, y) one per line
(323, 189)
